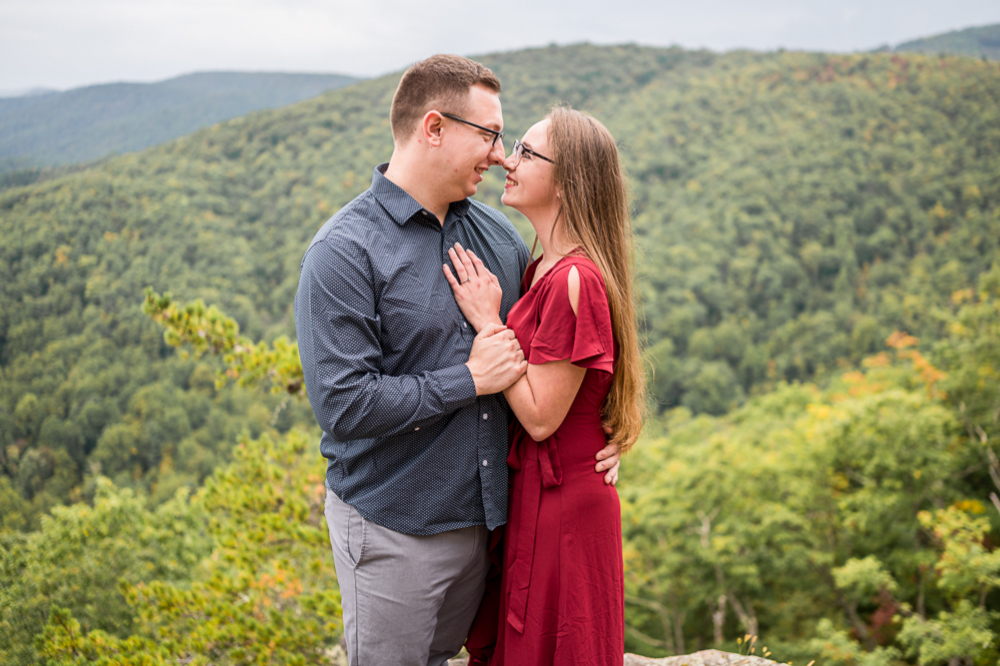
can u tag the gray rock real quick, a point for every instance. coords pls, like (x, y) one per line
(703, 658)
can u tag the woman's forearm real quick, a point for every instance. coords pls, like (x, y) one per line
(522, 400)
(486, 321)
(541, 398)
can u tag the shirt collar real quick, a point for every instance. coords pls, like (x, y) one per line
(400, 205)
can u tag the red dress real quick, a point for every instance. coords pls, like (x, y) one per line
(562, 594)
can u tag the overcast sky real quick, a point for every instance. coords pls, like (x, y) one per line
(67, 43)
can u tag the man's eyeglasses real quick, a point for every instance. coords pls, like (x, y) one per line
(496, 135)
(520, 149)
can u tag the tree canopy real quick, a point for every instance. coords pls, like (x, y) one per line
(791, 210)
(803, 482)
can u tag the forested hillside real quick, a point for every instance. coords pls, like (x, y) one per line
(979, 42)
(791, 210)
(94, 121)
(843, 524)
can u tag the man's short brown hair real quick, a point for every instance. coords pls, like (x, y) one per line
(440, 82)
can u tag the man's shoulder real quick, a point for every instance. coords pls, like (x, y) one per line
(352, 224)
(494, 220)
(480, 211)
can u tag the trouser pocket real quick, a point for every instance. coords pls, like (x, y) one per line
(356, 534)
(348, 531)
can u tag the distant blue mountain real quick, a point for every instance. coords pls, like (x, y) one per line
(27, 92)
(980, 42)
(84, 124)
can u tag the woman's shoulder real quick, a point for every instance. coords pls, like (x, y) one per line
(574, 316)
(575, 279)
(587, 272)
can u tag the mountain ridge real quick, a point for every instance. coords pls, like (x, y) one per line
(975, 42)
(90, 122)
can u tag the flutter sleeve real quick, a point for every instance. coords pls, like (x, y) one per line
(585, 338)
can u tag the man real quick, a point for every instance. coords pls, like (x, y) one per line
(407, 395)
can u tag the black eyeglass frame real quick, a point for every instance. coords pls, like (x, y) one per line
(496, 135)
(520, 149)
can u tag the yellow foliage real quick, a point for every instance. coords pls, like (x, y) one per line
(900, 340)
(940, 212)
(821, 412)
(970, 506)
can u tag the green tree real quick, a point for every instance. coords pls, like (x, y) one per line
(79, 557)
(266, 594)
(808, 517)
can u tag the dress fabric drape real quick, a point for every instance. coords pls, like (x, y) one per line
(561, 596)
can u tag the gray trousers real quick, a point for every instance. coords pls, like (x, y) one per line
(408, 600)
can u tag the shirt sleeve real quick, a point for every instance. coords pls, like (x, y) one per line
(585, 338)
(337, 326)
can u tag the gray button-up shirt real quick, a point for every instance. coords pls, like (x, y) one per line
(383, 347)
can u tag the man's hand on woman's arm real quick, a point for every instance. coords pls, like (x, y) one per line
(496, 360)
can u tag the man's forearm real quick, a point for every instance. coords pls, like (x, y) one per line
(340, 331)
(382, 406)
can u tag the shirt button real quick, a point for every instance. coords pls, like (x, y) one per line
(486, 416)
(416, 429)
(464, 325)
(424, 213)
(485, 464)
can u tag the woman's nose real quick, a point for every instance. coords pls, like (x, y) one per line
(508, 163)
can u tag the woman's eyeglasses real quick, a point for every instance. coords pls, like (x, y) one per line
(520, 149)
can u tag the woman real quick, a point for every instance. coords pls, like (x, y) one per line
(561, 594)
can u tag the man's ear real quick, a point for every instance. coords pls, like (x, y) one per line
(432, 127)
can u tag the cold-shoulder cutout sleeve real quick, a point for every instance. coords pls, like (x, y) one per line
(586, 338)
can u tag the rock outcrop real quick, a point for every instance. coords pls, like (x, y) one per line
(703, 658)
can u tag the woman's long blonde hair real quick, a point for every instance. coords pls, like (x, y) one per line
(595, 215)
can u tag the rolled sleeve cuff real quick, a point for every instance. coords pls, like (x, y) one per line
(457, 388)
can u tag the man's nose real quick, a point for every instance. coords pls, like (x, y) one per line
(497, 155)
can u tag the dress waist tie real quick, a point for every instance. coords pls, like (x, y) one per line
(540, 468)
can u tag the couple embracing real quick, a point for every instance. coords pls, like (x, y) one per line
(423, 324)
